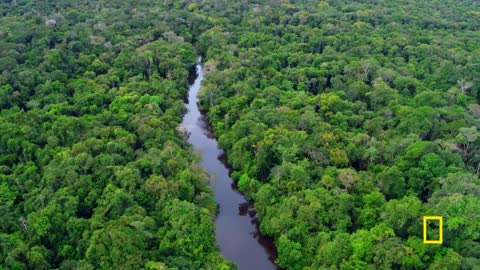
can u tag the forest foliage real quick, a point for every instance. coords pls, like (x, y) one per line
(345, 121)
(93, 174)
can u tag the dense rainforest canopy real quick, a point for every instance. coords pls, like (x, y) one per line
(345, 121)
(93, 174)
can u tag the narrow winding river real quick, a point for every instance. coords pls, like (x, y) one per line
(236, 227)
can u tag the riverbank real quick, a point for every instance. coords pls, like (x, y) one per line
(236, 227)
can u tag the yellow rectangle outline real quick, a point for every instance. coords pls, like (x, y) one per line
(440, 239)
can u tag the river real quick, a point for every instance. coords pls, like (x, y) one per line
(236, 227)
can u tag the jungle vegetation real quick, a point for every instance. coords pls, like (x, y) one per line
(347, 122)
(93, 174)
(344, 121)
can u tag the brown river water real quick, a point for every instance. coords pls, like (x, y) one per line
(236, 226)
